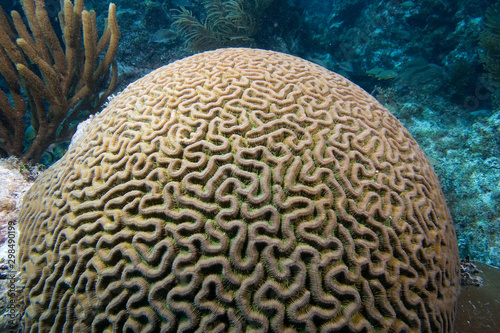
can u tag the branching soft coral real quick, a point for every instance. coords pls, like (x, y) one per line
(227, 23)
(50, 82)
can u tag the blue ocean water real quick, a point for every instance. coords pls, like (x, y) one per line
(430, 62)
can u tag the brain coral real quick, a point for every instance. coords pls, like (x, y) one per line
(240, 190)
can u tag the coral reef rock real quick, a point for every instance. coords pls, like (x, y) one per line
(15, 181)
(244, 190)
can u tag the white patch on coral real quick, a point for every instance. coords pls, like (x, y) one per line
(12, 190)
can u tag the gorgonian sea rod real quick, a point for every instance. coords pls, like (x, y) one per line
(243, 190)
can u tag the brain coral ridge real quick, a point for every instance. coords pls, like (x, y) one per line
(240, 190)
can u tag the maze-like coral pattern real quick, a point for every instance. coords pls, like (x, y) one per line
(240, 190)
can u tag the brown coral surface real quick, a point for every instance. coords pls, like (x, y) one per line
(242, 190)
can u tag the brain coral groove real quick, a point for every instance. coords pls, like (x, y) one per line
(240, 190)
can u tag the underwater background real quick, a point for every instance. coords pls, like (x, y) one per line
(434, 64)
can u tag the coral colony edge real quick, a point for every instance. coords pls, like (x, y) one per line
(239, 189)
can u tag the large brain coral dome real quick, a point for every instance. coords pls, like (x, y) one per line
(240, 190)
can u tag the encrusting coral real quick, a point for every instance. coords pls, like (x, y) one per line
(56, 84)
(244, 190)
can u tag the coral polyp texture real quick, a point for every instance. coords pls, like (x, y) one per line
(240, 190)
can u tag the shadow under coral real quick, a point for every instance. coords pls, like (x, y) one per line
(479, 307)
